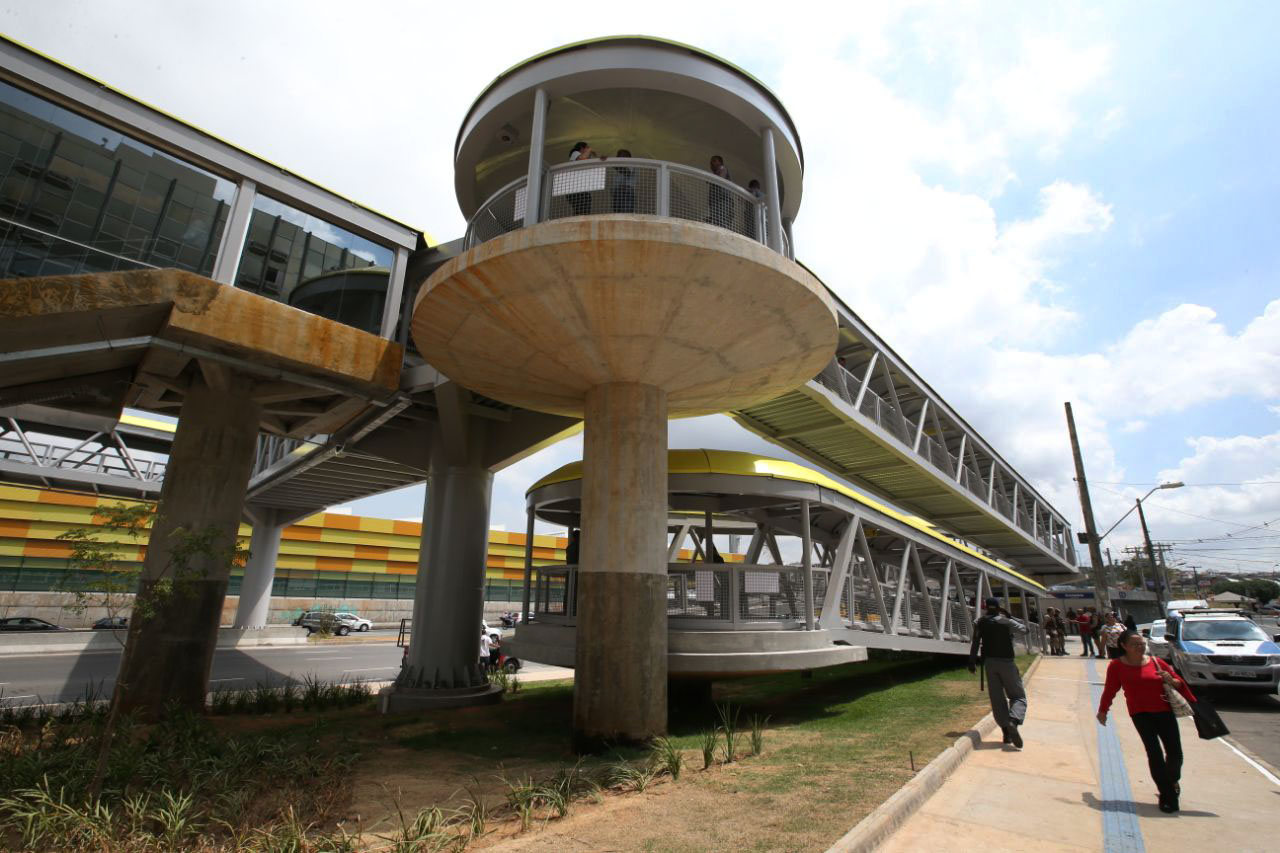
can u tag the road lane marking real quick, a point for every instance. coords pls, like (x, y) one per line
(27, 696)
(329, 658)
(237, 678)
(371, 669)
(1255, 765)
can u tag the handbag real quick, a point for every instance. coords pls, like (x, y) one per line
(1208, 724)
(1177, 702)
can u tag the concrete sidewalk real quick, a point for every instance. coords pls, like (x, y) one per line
(1077, 786)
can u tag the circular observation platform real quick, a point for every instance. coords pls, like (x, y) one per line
(538, 317)
(658, 99)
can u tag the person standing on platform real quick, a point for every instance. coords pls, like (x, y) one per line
(993, 638)
(1143, 679)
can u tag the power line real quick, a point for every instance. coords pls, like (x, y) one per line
(1190, 485)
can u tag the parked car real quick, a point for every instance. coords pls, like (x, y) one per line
(28, 623)
(1223, 649)
(115, 623)
(1156, 643)
(341, 623)
(494, 632)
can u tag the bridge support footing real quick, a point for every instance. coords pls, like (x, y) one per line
(169, 650)
(260, 572)
(444, 645)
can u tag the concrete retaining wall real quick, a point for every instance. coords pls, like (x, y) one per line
(57, 607)
(38, 642)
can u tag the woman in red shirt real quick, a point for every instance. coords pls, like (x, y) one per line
(1143, 679)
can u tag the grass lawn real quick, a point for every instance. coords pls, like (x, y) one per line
(836, 746)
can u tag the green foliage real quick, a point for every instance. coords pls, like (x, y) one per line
(176, 785)
(709, 740)
(757, 733)
(668, 756)
(729, 725)
(1259, 589)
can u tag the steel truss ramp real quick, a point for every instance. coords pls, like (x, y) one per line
(869, 418)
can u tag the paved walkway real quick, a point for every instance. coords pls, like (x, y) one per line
(1078, 786)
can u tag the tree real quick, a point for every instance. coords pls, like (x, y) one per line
(1260, 590)
(98, 549)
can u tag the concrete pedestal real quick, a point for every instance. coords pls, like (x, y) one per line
(620, 676)
(259, 572)
(168, 653)
(444, 647)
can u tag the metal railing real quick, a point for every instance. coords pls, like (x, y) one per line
(623, 185)
(840, 380)
(113, 460)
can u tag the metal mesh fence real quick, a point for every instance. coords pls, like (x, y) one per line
(767, 596)
(599, 187)
(551, 593)
(698, 593)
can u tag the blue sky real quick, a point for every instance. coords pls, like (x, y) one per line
(1031, 202)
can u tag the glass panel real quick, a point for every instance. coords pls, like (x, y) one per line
(359, 585)
(78, 196)
(331, 587)
(314, 265)
(234, 583)
(302, 584)
(382, 588)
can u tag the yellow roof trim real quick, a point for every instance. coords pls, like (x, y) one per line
(430, 241)
(148, 423)
(742, 464)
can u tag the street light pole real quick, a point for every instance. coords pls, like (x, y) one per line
(1151, 555)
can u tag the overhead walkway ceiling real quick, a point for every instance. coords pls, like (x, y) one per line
(869, 418)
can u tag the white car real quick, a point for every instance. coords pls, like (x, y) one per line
(1223, 649)
(342, 623)
(1157, 645)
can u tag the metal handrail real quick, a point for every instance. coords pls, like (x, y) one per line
(651, 187)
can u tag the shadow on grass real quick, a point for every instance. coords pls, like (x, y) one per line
(536, 723)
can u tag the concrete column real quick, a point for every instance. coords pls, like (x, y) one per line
(443, 668)
(259, 572)
(168, 653)
(620, 677)
(537, 142)
(773, 193)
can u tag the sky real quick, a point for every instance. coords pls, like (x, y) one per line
(1032, 203)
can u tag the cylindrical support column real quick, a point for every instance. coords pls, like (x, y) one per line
(528, 569)
(620, 680)
(174, 629)
(259, 572)
(448, 604)
(806, 536)
(773, 195)
(537, 144)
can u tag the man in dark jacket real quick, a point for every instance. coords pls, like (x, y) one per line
(993, 633)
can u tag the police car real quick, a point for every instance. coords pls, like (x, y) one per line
(1222, 649)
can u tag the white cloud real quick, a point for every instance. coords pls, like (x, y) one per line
(915, 117)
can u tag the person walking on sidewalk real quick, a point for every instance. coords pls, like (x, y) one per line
(993, 635)
(1109, 637)
(1084, 621)
(1143, 679)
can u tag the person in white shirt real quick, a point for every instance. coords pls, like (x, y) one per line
(485, 643)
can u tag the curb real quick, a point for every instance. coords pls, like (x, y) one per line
(875, 829)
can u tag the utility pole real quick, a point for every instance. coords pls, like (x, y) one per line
(1151, 555)
(1086, 507)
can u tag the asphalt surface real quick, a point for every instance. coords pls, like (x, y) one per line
(66, 677)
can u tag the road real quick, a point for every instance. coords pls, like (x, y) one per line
(65, 677)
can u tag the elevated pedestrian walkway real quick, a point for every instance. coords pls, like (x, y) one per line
(1077, 786)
